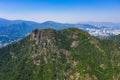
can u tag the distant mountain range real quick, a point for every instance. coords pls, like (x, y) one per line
(12, 30)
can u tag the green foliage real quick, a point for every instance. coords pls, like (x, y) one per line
(48, 55)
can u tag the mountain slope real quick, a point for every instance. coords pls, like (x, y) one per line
(69, 54)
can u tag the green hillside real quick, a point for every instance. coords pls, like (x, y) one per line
(68, 54)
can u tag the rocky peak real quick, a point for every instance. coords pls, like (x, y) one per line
(35, 33)
(43, 37)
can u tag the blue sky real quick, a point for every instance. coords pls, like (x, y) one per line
(70, 11)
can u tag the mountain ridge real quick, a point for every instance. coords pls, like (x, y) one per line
(60, 54)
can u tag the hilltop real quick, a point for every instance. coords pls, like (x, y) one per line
(68, 54)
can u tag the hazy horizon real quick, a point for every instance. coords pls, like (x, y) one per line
(59, 22)
(64, 11)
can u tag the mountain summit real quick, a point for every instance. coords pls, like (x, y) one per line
(68, 54)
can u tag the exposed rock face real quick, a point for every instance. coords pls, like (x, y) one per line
(74, 44)
(102, 66)
(35, 33)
